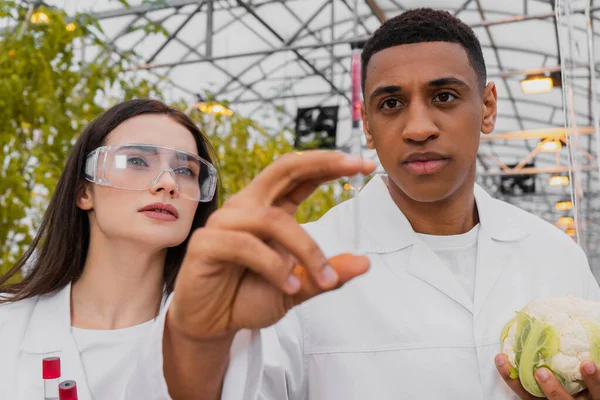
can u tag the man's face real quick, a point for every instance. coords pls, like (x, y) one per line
(423, 113)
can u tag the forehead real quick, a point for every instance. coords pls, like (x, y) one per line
(419, 63)
(153, 129)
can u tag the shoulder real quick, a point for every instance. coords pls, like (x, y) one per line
(541, 239)
(16, 312)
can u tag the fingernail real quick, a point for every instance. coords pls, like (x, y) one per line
(500, 361)
(329, 276)
(590, 368)
(542, 374)
(292, 284)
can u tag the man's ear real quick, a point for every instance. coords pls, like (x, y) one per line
(366, 129)
(489, 108)
(85, 200)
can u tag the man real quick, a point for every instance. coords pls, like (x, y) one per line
(449, 265)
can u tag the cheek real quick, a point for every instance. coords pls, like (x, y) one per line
(188, 210)
(110, 200)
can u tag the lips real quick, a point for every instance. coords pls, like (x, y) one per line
(161, 208)
(425, 163)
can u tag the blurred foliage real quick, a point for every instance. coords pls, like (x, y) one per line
(47, 97)
(244, 148)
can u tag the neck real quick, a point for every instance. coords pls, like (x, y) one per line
(121, 286)
(454, 215)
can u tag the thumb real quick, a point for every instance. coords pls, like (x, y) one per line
(503, 367)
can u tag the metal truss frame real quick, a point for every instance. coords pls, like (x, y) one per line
(319, 51)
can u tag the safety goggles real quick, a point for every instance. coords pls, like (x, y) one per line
(141, 167)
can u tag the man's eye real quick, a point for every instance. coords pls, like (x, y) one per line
(445, 97)
(390, 103)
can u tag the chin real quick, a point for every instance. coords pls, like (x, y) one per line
(427, 191)
(163, 240)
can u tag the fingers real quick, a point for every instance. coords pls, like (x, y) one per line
(286, 174)
(503, 367)
(274, 224)
(216, 247)
(591, 377)
(347, 267)
(550, 385)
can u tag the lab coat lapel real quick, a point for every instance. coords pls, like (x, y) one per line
(494, 256)
(427, 266)
(49, 335)
(388, 231)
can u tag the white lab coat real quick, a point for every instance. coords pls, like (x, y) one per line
(407, 329)
(404, 330)
(40, 327)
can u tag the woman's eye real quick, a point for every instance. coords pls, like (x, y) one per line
(445, 97)
(137, 161)
(185, 171)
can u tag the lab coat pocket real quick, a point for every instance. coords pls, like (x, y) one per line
(29, 382)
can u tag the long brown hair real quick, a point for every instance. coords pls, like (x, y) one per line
(59, 250)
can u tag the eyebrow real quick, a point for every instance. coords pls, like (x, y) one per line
(385, 90)
(186, 157)
(448, 81)
(391, 89)
(142, 148)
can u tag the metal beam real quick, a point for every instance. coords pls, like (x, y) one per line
(533, 171)
(462, 7)
(537, 134)
(209, 28)
(499, 62)
(301, 47)
(377, 10)
(121, 12)
(282, 40)
(176, 32)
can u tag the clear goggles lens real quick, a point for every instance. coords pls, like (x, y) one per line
(142, 166)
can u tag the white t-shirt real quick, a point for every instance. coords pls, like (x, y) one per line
(459, 253)
(102, 351)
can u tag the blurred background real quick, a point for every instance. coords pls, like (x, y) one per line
(263, 77)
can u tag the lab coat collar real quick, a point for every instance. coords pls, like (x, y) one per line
(50, 323)
(495, 220)
(387, 229)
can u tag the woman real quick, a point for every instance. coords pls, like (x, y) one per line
(138, 181)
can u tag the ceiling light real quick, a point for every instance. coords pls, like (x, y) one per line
(541, 83)
(566, 221)
(563, 205)
(549, 146)
(213, 108)
(558, 180)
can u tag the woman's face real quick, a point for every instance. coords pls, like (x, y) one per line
(119, 214)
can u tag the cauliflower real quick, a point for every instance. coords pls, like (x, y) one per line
(558, 333)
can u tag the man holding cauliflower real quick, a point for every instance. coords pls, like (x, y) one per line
(449, 265)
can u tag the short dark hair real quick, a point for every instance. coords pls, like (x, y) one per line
(425, 25)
